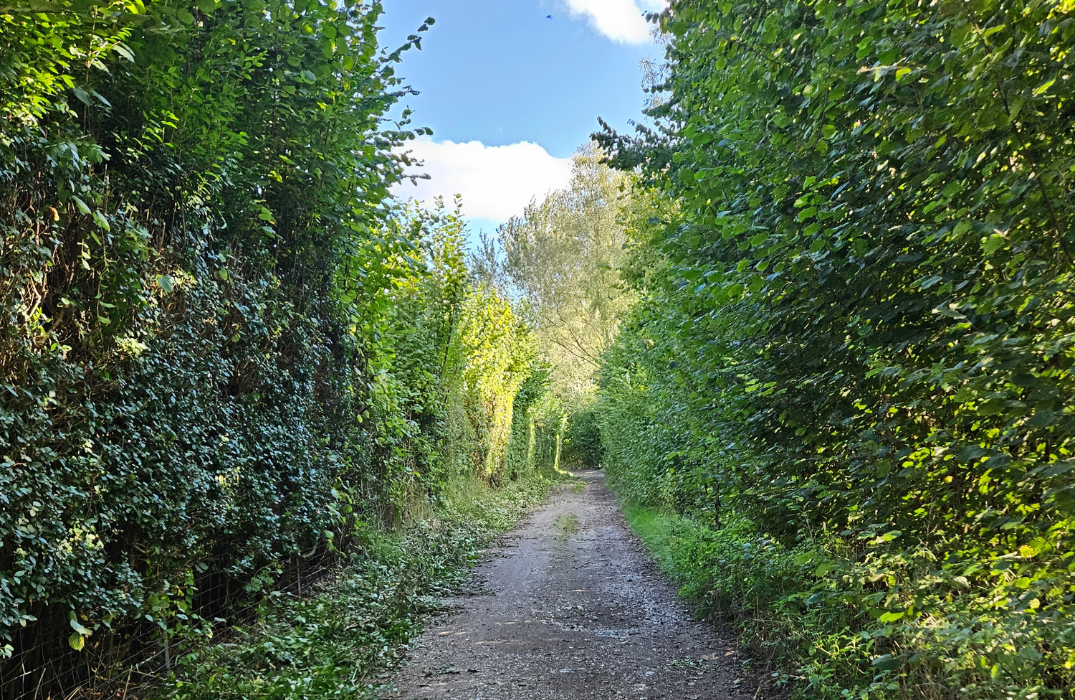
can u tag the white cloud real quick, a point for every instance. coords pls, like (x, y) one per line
(496, 182)
(619, 20)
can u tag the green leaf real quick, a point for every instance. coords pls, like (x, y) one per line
(82, 95)
(971, 453)
(124, 51)
(1041, 89)
(101, 221)
(1042, 419)
(80, 204)
(993, 243)
(965, 395)
(886, 662)
(76, 641)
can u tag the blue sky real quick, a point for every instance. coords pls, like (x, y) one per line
(510, 94)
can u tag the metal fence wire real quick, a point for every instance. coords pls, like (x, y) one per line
(134, 658)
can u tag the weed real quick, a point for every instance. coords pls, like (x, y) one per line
(689, 663)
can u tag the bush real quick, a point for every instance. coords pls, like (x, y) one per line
(583, 439)
(220, 352)
(856, 328)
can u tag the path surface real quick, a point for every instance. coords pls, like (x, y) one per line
(571, 606)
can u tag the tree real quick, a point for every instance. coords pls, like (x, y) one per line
(562, 257)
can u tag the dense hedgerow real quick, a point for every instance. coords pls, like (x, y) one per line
(582, 441)
(857, 329)
(221, 348)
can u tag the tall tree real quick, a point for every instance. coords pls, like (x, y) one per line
(563, 255)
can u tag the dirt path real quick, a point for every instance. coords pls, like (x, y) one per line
(571, 606)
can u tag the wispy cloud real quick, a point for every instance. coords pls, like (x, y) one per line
(496, 182)
(620, 20)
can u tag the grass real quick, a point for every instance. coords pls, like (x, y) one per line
(757, 585)
(655, 529)
(343, 641)
(567, 524)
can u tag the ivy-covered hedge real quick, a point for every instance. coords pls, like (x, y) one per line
(858, 335)
(221, 347)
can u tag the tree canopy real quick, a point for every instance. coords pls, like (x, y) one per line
(562, 256)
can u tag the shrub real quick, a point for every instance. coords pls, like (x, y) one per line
(583, 439)
(856, 324)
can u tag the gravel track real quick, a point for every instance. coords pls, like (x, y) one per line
(569, 606)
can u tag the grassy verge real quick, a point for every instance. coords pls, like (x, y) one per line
(654, 528)
(342, 641)
(765, 590)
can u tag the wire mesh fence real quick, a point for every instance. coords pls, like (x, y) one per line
(134, 658)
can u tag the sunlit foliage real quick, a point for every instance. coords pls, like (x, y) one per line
(222, 348)
(562, 255)
(856, 334)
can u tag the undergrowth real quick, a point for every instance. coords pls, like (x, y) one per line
(342, 641)
(762, 587)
